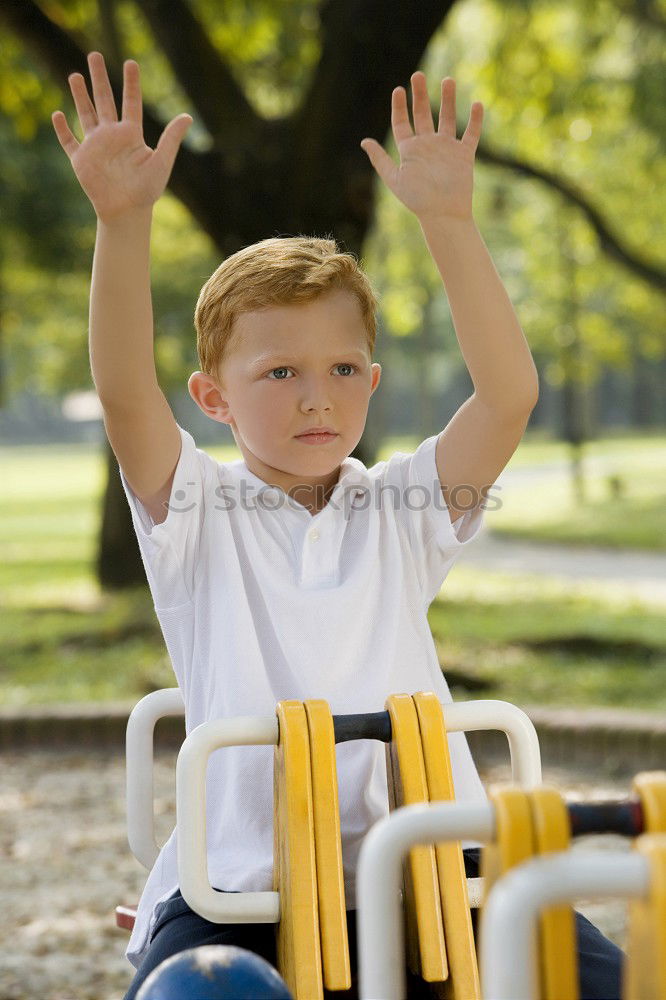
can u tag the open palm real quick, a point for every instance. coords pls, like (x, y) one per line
(436, 173)
(113, 164)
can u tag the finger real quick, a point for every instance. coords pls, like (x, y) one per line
(473, 130)
(132, 108)
(66, 139)
(421, 104)
(400, 123)
(380, 160)
(85, 108)
(171, 138)
(447, 109)
(104, 100)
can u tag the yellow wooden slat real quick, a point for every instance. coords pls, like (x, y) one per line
(407, 785)
(644, 971)
(650, 786)
(458, 930)
(514, 840)
(328, 847)
(294, 868)
(558, 947)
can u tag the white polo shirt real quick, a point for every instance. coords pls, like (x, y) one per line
(260, 601)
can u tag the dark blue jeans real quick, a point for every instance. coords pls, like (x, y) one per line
(178, 928)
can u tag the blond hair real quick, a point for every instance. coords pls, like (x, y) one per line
(282, 270)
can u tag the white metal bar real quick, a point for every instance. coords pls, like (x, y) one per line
(195, 887)
(519, 728)
(381, 946)
(508, 960)
(139, 770)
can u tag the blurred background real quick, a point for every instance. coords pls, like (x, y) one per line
(560, 603)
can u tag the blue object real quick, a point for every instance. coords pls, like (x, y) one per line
(214, 972)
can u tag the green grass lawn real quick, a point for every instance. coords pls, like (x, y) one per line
(526, 640)
(532, 640)
(546, 509)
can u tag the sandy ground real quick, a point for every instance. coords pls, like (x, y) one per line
(65, 865)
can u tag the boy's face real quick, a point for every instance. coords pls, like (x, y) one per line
(296, 367)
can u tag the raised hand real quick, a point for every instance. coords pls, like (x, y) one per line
(435, 176)
(113, 164)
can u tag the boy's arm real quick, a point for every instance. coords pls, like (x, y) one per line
(138, 420)
(435, 180)
(123, 178)
(483, 434)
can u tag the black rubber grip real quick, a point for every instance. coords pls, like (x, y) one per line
(624, 818)
(368, 726)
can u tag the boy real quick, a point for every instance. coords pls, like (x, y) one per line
(294, 572)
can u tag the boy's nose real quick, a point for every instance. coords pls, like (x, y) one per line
(316, 395)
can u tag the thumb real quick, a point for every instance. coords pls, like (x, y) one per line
(171, 138)
(380, 159)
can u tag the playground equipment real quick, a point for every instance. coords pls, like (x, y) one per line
(527, 946)
(414, 901)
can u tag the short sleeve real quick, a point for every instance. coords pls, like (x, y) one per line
(434, 541)
(169, 549)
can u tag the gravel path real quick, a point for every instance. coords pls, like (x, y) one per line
(65, 865)
(626, 573)
(630, 573)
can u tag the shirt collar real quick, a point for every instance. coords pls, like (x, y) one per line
(353, 478)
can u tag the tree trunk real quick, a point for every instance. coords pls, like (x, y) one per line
(424, 364)
(573, 390)
(119, 564)
(642, 389)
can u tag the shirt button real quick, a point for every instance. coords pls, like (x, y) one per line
(313, 534)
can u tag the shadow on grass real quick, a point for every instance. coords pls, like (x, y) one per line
(591, 645)
(95, 640)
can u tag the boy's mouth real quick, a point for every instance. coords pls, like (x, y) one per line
(316, 438)
(318, 429)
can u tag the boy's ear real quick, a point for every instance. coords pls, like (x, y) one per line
(207, 394)
(376, 375)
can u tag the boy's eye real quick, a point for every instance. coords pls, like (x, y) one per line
(341, 364)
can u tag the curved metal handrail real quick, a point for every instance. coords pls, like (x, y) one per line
(139, 762)
(263, 907)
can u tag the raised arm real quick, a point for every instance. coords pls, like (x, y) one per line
(123, 178)
(435, 181)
